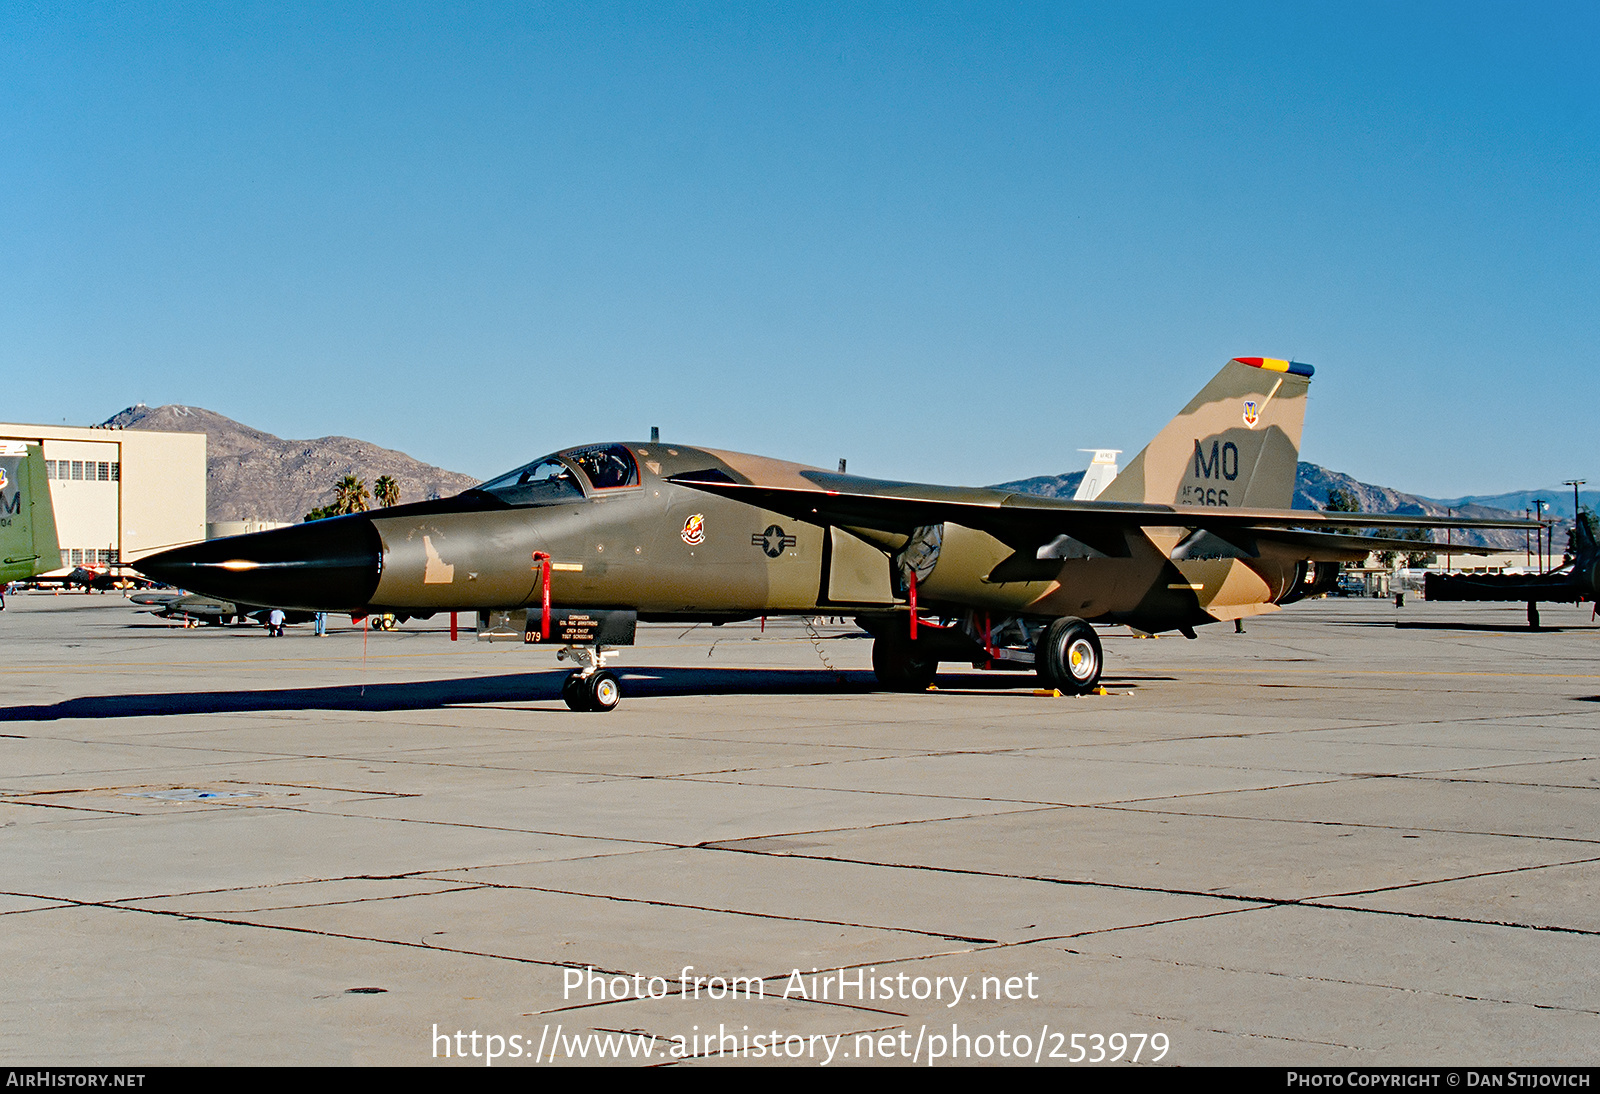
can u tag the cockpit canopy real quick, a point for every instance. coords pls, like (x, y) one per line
(562, 477)
(609, 466)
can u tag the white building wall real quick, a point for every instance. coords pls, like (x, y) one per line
(88, 507)
(121, 494)
(163, 491)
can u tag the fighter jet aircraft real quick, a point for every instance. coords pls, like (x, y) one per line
(212, 611)
(28, 544)
(1577, 579)
(576, 547)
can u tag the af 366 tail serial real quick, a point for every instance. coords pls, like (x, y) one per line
(574, 548)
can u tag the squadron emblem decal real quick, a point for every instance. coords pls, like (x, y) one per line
(694, 530)
(4, 482)
(773, 541)
(1252, 414)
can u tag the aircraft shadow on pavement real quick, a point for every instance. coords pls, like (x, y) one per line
(509, 688)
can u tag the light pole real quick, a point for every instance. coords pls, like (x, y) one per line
(1577, 511)
(1538, 510)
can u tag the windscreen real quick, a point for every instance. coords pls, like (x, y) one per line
(543, 482)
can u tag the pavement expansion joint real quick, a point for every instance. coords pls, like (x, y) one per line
(1436, 917)
(721, 910)
(199, 917)
(1503, 782)
(1288, 1040)
(1240, 898)
(1378, 984)
(1165, 921)
(1321, 822)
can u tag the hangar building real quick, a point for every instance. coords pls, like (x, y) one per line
(120, 494)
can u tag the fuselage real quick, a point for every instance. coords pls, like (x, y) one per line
(617, 534)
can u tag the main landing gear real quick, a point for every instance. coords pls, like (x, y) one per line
(593, 687)
(1067, 656)
(903, 665)
(1065, 653)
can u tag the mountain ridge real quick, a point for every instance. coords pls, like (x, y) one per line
(256, 476)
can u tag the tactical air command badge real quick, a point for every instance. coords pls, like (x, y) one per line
(694, 530)
(1252, 414)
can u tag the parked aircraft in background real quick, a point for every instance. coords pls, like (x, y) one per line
(1577, 579)
(92, 577)
(215, 612)
(1101, 473)
(576, 547)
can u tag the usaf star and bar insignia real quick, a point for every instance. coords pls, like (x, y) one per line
(773, 542)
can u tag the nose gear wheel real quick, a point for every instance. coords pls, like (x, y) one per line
(595, 692)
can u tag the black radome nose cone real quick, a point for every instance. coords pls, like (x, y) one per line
(324, 565)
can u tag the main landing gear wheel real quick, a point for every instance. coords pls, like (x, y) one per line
(604, 691)
(1068, 656)
(900, 666)
(572, 692)
(599, 691)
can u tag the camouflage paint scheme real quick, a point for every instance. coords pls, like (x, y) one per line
(1195, 530)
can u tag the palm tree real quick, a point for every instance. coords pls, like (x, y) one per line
(386, 491)
(350, 496)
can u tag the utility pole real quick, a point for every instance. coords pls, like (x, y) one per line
(1538, 508)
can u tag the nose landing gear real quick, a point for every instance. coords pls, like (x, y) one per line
(593, 687)
(594, 691)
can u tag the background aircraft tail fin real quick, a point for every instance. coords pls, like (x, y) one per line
(1102, 473)
(1236, 443)
(28, 544)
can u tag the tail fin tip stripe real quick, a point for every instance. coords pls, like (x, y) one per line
(1273, 364)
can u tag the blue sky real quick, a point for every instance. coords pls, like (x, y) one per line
(950, 242)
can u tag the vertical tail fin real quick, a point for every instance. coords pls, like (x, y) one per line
(28, 544)
(1102, 472)
(1236, 443)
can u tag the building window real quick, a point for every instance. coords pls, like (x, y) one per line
(103, 471)
(116, 472)
(49, 469)
(105, 556)
(66, 557)
(77, 556)
(77, 470)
